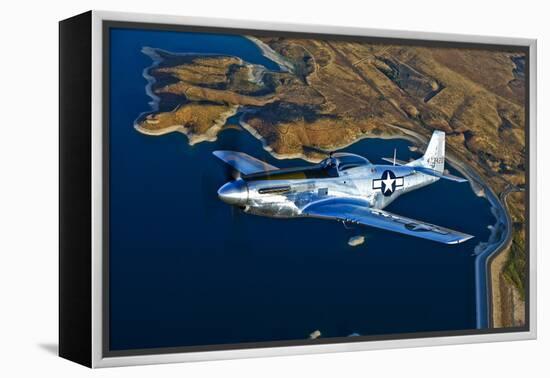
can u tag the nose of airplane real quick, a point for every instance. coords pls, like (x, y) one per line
(234, 193)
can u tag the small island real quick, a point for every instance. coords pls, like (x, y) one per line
(354, 241)
(315, 335)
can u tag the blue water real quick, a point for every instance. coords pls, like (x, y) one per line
(187, 270)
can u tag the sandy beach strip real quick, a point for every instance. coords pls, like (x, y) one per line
(271, 54)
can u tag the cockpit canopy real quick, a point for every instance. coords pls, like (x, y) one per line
(343, 161)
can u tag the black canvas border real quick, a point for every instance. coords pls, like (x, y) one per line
(75, 189)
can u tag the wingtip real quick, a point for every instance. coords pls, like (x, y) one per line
(461, 240)
(218, 153)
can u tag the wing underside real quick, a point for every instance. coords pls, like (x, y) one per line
(358, 212)
(243, 163)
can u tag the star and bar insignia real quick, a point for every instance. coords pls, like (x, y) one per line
(387, 183)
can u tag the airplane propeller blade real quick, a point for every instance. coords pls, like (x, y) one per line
(231, 174)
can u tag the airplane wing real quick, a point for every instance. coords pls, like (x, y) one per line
(357, 211)
(243, 163)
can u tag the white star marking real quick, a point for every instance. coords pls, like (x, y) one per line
(388, 183)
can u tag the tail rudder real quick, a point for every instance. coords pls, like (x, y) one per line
(433, 161)
(434, 157)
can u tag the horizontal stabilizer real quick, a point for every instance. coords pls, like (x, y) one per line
(446, 176)
(243, 163)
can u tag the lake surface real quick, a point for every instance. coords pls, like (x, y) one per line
(188, 270)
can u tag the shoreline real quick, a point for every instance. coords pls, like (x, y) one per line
(301, 155)
(269, 53)
(488, 250)
(494, 262)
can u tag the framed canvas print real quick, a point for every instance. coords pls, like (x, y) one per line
(234, 189)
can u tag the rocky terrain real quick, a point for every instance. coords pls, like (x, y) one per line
(329, 94)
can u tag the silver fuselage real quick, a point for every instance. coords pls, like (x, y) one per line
(286, 193)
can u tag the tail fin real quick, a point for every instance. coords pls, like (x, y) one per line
(433, 161)
(434, 157)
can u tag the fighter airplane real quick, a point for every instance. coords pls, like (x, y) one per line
(344, 187)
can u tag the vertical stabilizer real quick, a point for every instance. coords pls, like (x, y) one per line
(434, 157)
